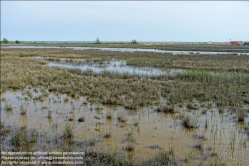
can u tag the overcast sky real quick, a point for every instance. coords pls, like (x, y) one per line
(124, 21)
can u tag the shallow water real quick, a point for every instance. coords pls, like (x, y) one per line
(133, 50)
(114, 66)
(154, 131)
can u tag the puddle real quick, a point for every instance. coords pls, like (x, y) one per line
(155, 147)
(134, 50)
(114, 67)
(146, 130)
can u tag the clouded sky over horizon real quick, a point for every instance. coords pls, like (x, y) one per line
(125, 20)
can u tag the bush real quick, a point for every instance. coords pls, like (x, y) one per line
(134, 41)
(18, 42)
(5, 41)
(98, 41)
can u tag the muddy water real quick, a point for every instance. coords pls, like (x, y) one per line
(148, 131)
(118, 67)
(134, 50)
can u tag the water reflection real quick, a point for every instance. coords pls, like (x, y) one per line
(115, 67)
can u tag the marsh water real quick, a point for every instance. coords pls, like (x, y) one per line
(218, 136)
(133, 50)
(114, 67)
(145, 129)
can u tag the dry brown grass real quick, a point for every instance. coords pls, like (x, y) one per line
(19, 71)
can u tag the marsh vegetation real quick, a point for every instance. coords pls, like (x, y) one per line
(197, 116)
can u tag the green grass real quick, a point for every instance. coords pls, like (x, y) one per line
(23, 140)
(68, 130)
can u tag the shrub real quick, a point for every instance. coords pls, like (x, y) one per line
(134, 42)
(98, 41)
(5, 41)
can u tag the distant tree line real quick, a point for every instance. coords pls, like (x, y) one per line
(6, 41)
(97, 41)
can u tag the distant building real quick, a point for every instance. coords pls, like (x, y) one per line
(246, 43)
(236, 43)
(203, 43)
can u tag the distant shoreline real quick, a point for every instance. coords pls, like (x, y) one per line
(170, 48)
(139, 43)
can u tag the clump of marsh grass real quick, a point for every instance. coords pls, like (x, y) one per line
(19, 138)
(92, 142)
(131, 137)
(129, 147)
(1, 124)
(108, 134)
(206, 124)
(66, 100)
(50, 114)
(23, 111)
(189, 156)
(8, 107)
(221, 110)
(204, 111)
(130, 142)
(136, 122)
(108, 115)
(246, 128)
(164, 157)
(68, 130)
(34, 136)
(106, 158)
(191, 106)
(166, 109)
(3, 130)
(199, 144)
(24, 126)
(121, 117)
(189, 122)
(210, 105)
(130, 107)
(241, 114)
